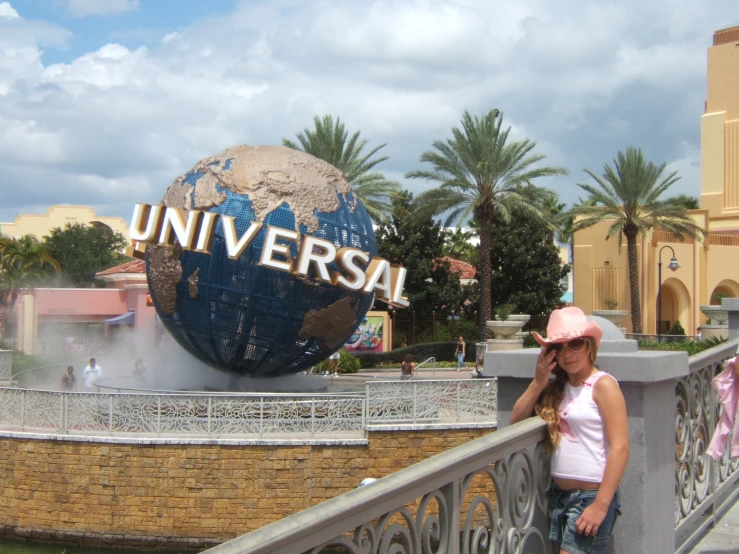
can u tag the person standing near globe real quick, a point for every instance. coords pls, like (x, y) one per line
(333, 363)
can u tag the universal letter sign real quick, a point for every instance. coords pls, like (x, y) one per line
(194, 230)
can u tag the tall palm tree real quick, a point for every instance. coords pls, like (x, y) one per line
(628, 197)
(482, 174)
(328, 141)
(457, 245)
(23, 262)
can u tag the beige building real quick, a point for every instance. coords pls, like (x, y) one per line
(58, 216)
(706, 267)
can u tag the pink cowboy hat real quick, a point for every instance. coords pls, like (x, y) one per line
(567, 324)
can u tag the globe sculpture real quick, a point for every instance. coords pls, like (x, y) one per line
(237, 315)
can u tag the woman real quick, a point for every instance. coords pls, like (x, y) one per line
(587, 429)
(460, 352)
(407, 368)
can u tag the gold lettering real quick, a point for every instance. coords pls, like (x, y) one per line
(379, 279)
(146, 223)
(181, 225)
(235, 249)
(346, 257)
(307, 256)
(272, 247)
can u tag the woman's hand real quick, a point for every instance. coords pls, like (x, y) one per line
(589, 522)
(545, 363)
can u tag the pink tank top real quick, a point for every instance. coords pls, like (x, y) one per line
(583, 449)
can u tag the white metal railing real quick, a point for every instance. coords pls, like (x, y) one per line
(488, 495)
(428, 402)
(426, 363)
(177, 415)
(259, 416)
(704, 489)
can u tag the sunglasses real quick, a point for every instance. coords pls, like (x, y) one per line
(575, 345)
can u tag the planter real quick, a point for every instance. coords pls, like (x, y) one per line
(505, 329)
(716, 314)
(614, 316)
(523, 318)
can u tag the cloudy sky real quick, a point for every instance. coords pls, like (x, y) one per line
(105, 102)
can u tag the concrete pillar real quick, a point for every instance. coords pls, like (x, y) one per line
(647, 379)
(6, 369)
(731, 305)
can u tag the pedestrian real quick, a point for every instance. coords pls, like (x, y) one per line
(333, 362)
(699, 335)
(407, 368)
(69, 382)
(92, 373)
(460, 352)
(587, 432)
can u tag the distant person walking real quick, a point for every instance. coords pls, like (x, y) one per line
(92, 373)
(69, 381)
(407, 368)
(460, 353)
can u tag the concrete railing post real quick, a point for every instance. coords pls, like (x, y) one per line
(6, 370)
(647, 379)
(731, 305)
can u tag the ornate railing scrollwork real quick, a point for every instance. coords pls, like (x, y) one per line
(698, 478)
(489, 495)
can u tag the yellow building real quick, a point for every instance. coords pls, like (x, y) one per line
(706, 267)
(40, 225)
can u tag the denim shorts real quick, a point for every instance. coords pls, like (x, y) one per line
(567, 507)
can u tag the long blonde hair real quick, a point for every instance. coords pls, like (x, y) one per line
(547, 407)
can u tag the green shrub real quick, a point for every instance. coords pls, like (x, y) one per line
(676, 329)
(348, 363)
(692, 348)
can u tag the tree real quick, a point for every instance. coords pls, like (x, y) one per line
(527, 270)
(84, 250)
(482, 174)
(688, 202)
(457, 245)
(430, 285)
(628, 197)
(23, 263)
(328, 141)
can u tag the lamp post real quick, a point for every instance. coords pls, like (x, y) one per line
(673, 266)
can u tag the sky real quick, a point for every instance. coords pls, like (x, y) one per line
(105, 102)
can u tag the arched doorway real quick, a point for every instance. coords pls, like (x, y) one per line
(675, 305)
(726, 289)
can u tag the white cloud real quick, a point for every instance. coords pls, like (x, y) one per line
(116, 125)
(84, 8)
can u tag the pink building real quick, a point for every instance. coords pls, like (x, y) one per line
(124, 301)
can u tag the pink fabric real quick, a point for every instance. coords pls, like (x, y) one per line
(727, 388)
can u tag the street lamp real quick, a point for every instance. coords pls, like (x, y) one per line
(673, 266)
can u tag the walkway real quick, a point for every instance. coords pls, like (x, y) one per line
(724, 537)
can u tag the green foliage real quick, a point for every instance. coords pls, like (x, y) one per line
(445, 331)
(611, 304)
(691, 348)
(457, 246)
(480, 173)
(24, 262)
(348, 363)
(527, 268)
(84, 250)
(676, 329)
(718, 297)
(504, 311)
(688, 202)
(328, 141)
(430, 286)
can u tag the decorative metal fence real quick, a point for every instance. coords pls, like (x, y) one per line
(178, 415)
(489, 495)
(432, 402)
(703, 487)
(252, 416)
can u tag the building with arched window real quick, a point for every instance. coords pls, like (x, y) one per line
(708, 268)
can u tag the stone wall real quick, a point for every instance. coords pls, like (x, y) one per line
(186, 495)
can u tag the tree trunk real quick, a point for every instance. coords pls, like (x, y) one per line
(631, 235)
(485, 276)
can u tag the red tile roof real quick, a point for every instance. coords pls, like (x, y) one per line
(462, 269)
(132, 266)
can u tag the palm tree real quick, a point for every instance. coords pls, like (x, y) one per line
(328, 141)
(457, 245)
(628, 197)
(482, 174)
(23, 262)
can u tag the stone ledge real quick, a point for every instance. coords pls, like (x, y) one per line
(108, 540)
(431, 426)
(184, 441)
